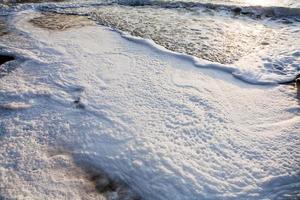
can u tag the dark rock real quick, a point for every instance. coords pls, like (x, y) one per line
(102, 184)
(298, 82)
(258, 17)
(237, 10)
(286, 21)
(78, 103)
(5, 58)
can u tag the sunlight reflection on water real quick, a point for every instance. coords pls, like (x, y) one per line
(277, 3)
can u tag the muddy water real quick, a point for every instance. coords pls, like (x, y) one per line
(61, 22)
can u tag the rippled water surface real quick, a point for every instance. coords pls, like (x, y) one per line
(265, 47)
(284, 3)
(262, 40)
(200, 33)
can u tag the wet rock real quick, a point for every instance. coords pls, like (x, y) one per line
(109, 187)
(258, 17)
(6, 69)
(102, 183)
(5, 58)
(237, 10)
(294, 82)
(298, 82)
(78, 103)
(286, 21)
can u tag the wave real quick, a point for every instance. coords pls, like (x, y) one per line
(245, 76)
(269, 11)
(278, 65)
(273, 67)
(247, 10)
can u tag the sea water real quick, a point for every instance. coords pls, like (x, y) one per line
(260, 40)
(176, 100)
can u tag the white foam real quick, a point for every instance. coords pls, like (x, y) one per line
(150, 118)
(243, 72)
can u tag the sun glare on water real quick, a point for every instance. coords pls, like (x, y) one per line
(263, 3)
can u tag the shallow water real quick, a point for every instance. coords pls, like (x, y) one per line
(283, 3)
(201, 33)
(262, 50)
(60, 22)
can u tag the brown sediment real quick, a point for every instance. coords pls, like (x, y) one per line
(97, 178)
(60, 22)
(3, 27)
(14, 106)
(104, 184)
(8, 2)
